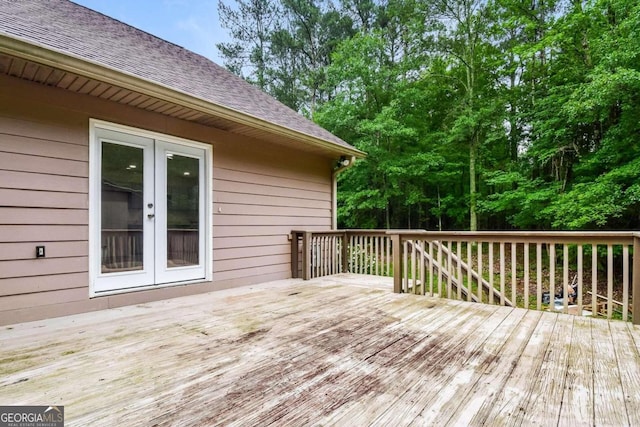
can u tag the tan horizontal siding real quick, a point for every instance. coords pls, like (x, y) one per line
(21, 216)
(278, 163)
(258, 178)
(29, 314)
(43, 182)
(259, 230)
(43, 124)
(269, 190)
(42, 148)
(249, 280)
(27, 285)
(250, 251)
(240, 209)
(42, 233)
(29, 163)
(248, 241)
(15, 302)
(253, 272)
(260, 200)
(265, 220)
(253, 261)
(42, 199)
(42, 267)
(26, 250)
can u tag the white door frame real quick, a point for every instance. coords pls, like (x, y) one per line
(99, 283)
(164, 274)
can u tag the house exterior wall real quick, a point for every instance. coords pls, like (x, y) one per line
(261, 192)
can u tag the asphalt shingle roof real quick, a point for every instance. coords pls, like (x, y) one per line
(74, 30)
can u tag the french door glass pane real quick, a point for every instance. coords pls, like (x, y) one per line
(183, 198)
(122, 208)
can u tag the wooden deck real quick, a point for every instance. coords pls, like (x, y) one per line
(341, 350)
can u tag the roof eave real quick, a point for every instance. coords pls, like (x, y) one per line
(43, 55)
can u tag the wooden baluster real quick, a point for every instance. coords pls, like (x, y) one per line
(363, 255)
(449, 269)
(609, 281)
(334, 254)
(378, 256)
(625, 282)
(323, 255)
(491, 272)
(405, 272)
(374, 256)
(635, 281)
(397, 260)
(502, 273)
(360, 253)
(565, 278)
(539, 275)
(440, 263)
(388, 243)
(363, 249)
(459, 269)
(423, 277)
(369, 256)
(353, 255)
(527, 274)
(480, 275)
(314, 256)
(381, 255)
(430, 268)
(594, 279)
(552, 274)
(414, 267)
(580, 274)
(469, 269)
(514, 272)
(306, 255)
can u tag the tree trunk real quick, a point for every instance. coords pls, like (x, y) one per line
(473, 191)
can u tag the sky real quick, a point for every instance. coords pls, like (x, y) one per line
(192, 24)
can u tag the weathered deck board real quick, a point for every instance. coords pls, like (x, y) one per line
(342, 350)
(425, 399)
(504, 350)
(609, 402)
(629, 366)
(545, 397)
(577, 400)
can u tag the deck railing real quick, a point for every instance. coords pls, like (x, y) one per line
(584, 273)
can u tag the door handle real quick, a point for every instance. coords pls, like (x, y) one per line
(151, 216)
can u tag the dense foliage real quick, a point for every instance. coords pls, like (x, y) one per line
(475, 114)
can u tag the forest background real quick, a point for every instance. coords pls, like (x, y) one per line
(475, 114)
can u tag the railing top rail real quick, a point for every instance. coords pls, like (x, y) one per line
(585, 237)
(319, 233)
(343, 232)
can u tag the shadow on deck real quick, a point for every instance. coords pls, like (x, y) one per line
(337, 350)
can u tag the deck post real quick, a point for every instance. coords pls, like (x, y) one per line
(306, 255)
(345, 252)
(294, 254)
(636, 281)
(396, 247)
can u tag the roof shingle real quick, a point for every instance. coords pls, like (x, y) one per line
(74, 30)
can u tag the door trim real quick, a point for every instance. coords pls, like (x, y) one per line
(95, 255)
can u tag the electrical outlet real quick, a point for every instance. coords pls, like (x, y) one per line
(39, 251)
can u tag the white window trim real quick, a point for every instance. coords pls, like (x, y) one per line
(94, 202)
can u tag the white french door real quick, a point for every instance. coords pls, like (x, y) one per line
(149, 216)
